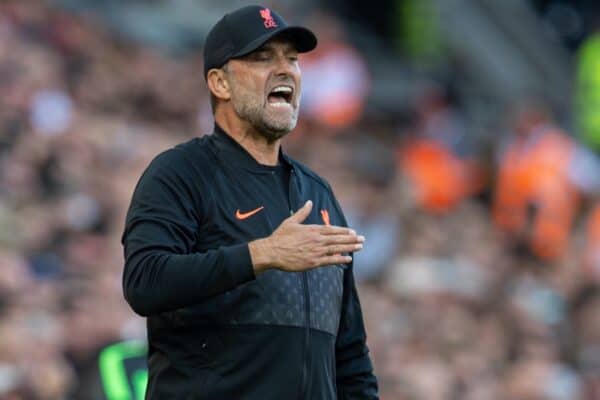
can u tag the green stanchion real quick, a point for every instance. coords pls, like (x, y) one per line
(119, 383)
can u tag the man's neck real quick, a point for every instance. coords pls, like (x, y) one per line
(263, 151)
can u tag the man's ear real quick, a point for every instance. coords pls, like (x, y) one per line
(218, 84)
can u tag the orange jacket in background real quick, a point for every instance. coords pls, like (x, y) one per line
(533, 175)
(438, 179)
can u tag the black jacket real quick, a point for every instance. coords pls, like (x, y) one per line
(216, 331)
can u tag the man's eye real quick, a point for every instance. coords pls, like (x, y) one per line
(293, 58)
(261, 56)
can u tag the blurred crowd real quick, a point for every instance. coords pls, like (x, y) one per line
(480, 277)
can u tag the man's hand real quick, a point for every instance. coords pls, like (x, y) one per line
(297, 247)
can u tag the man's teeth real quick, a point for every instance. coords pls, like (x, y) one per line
(282, 95)
(282, 89)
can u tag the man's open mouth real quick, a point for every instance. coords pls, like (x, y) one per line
(281, 94)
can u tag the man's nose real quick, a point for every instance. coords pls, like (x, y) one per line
(285, 66)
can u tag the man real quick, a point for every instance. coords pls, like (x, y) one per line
(239, 255)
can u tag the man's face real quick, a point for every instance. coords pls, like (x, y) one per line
(265, 88)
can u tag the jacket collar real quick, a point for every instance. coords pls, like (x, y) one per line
(232, 152)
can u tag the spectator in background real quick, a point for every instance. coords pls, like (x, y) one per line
(51, 112)
(534, 198)
(436, 158)
(335, 78)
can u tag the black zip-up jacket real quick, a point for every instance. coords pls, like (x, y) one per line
(216, 331)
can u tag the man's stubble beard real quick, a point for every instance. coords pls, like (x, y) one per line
(248, 106)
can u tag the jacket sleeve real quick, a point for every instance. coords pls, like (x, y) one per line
(162, 271)
(355, 379)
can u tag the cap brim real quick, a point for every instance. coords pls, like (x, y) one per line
(304, 40)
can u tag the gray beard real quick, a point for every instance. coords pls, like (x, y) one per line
(253, 112)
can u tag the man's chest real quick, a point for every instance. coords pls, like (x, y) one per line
(245, 207)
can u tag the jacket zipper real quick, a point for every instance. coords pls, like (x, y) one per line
(304, 379)
(305, 361)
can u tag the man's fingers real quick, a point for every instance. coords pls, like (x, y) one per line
(334, 259)
(300, 215)
(335, 230)
(342, 239)
(340, 248)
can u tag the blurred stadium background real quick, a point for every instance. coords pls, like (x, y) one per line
(461, 136)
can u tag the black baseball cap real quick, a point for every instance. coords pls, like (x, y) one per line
(242, 31)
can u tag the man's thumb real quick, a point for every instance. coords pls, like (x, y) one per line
(300, 215)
